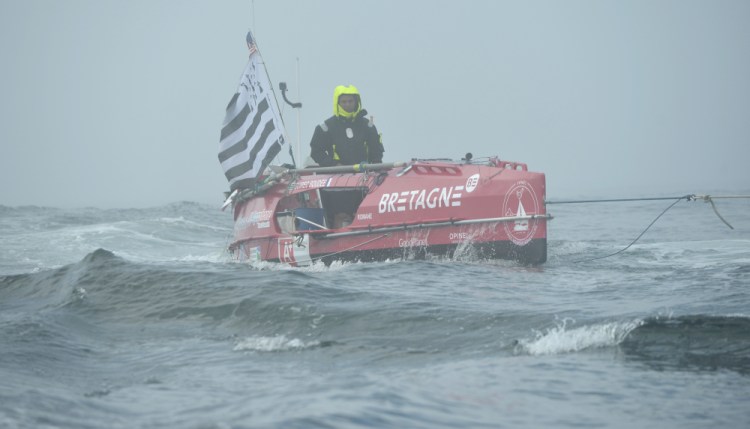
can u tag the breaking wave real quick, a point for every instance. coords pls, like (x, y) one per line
(273, 344)
(696, 342)
(692, 342)
(562, 339)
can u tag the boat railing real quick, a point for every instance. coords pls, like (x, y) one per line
(510, 165)
(368, 229)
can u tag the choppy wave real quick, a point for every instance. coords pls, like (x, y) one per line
(273, 344)
(562, 339)
(122, 312)
(694, 342)
(181, 231)
(289, 309)
(691, 342)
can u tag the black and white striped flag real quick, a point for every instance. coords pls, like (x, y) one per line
(253, 132)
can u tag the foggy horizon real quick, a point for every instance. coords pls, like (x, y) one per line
(120, 104)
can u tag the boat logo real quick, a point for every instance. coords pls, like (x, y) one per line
(309, 184)
(471, 183)
(417, 199)
(413, 242)
(286, 250)
(295, 250)
(257, 219)
(458, 236)
(519, 199)
(251, 253)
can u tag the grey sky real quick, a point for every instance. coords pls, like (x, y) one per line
(119, 103)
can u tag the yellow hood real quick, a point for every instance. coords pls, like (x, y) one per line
(345, 90)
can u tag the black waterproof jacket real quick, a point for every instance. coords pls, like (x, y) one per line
(342, 141)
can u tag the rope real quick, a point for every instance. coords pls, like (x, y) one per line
(710, 199)
(688, 197)
(350, 248)
(713, 206)
(619, 200)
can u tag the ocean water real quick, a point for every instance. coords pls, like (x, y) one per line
(139, 319)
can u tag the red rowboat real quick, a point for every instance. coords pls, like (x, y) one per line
(480, 209)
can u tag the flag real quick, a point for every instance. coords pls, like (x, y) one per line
(251, 46)
(253, 132)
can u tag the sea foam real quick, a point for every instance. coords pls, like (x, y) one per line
(562, 339)
(273, 344)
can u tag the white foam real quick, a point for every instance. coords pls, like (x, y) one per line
(273, 344)
(181, 220)
(317, 266)
(263, 265)
(562, 339)
(215, 257)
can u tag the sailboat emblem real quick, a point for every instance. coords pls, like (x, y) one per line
(523, 224)
(520, 202)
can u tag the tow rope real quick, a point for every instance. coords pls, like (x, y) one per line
(689, 197)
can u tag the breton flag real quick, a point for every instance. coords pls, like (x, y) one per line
(253, 132)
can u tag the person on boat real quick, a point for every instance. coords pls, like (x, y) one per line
(347, 137)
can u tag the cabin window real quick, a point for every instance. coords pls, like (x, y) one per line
(341, 204)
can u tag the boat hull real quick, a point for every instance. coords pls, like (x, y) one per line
(533, 253)
(422, 210)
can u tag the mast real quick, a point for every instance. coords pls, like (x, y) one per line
(299, 132)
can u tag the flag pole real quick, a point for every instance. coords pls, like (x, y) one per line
(299, 135)
(252, 6)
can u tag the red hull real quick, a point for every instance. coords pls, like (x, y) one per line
(493, 210)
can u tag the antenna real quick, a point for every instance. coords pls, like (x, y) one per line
(299, 132)
(283, 88)
(252, 6)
